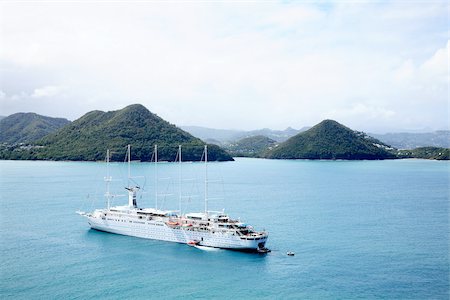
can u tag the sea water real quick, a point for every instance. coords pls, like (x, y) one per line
(359, 229)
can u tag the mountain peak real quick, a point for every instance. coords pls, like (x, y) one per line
(330, 123)
(135, 107)
(89, 136)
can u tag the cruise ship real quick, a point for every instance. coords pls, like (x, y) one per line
(202, 229)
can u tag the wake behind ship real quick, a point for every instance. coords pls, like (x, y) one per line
(207, 228)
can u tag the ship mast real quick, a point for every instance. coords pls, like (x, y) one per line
(108, 179)
(156, 177)
(129, 160)
(132, 203)
(180, 177)
(206, 181)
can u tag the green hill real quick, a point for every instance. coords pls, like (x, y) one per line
(331, 140)
(87, 138)
(252, 146)
(28, 127)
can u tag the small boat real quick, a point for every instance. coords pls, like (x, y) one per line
(263, 250)
(290, 253)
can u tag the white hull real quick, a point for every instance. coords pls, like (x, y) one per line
(158, 230)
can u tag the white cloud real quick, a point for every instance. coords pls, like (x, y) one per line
(294, 16)
(363, 111)
(428, 79)
(405, 72)
(359, 114)
(438, 64)
(46, 91)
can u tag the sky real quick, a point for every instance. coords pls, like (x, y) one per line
(376, 66)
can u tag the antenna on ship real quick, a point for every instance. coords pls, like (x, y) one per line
(156, 177)
(206, 180)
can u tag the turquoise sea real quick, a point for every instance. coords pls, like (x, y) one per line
(359, 229)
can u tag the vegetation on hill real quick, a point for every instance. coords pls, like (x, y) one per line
(253, 146)
(426, 153)
(331, 140)
(28, 127)
(87, 139)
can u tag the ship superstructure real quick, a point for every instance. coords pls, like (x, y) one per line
(207, 228)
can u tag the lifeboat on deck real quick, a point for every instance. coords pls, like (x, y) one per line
(193, 243)
(172, 224)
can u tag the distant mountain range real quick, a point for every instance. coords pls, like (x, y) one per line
(439, 138)
(227, 136)
(88, 137)
(28, 127)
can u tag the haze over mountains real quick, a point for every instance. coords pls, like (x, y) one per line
(408, 140)
(224, 136)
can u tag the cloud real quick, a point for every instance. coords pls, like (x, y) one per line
(438, 64)
(405, 72)
(47, 91)
(294, 16)
(362, 111)
(431, 74)
(359, 114)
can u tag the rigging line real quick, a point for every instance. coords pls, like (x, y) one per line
(203, 155)
(222, 182)
(193, 188)
(151, 161)
(129, 162)
(97, 188)
(121, 171)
